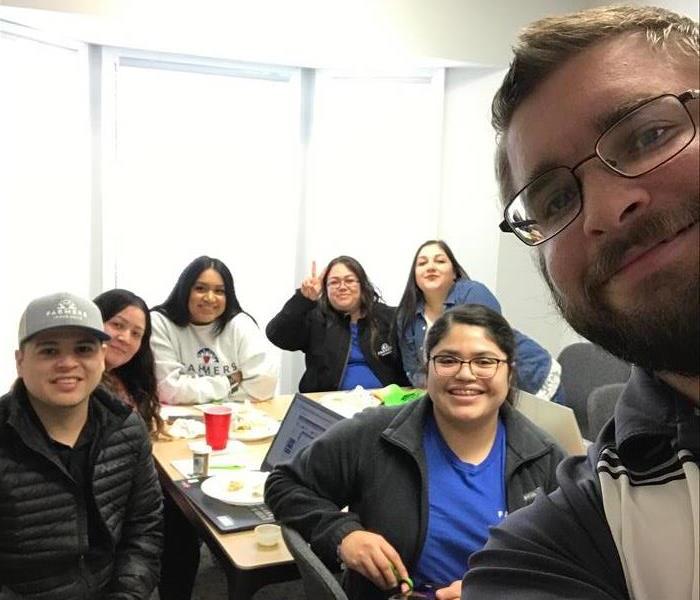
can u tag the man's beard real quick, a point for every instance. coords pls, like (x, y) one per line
(659, 330)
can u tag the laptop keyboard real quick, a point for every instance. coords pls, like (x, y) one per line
(262, 512)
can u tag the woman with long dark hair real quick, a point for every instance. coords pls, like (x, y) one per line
(206, 347)
(129, 366)
(344, 329)
(424, 481)
(437, 282)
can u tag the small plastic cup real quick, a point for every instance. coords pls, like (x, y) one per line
(268, 535)
(217, 421)
(200, 459)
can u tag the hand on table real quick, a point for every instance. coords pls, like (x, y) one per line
(372, 556)
(311, 286)
(451, 592)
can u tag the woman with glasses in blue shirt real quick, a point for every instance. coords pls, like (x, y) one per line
(438, 282)
(424, 481)
(344, 329)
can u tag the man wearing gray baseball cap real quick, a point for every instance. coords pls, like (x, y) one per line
(80, 504)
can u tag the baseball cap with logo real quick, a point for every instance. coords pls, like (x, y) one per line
(60, 310)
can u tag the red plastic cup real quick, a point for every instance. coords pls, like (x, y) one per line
(217, 421)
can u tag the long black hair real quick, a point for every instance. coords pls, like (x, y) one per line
(369, 295)
(411, 294)
(497, 329)
(137, 375)
(175, 306)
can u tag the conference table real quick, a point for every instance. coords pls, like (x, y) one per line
(248, 566)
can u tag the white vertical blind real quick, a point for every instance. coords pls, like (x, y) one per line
(374, 188)
(206, 162)
(44, 176)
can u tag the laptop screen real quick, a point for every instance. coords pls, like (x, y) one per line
(305, 420)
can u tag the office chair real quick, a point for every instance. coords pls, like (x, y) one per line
(319, 583)
(601, 406)
(584, 367)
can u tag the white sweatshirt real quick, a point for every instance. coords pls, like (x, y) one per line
(192, 364)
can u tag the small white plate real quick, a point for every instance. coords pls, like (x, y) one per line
(251, 493)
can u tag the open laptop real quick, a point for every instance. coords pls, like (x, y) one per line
(557, 420)
(304, 421)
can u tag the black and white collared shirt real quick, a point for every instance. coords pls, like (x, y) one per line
(650, 490)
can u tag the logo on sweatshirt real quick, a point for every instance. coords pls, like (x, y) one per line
(208, 364)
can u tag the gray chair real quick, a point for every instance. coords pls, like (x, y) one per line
(584, 367)
(319, 582)
(601, 406)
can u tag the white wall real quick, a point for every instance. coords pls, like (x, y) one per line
(314, 33)
(469, 207)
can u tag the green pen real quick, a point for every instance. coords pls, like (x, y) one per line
(226, 467)
(408, 581)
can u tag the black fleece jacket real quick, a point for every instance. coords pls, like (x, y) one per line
(374, 463)
(324, 337)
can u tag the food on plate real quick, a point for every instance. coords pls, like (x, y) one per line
(235, 485)
(250, 420)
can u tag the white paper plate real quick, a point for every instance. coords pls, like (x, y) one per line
(262, 429)
(251, 493)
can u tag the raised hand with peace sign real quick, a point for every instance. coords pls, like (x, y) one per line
(311, 286)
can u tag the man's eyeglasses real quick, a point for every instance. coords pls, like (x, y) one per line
(334, 284)
(642, 140)
(481, 367)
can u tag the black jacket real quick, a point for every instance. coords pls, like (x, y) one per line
(43, 521)
(325, 340)
(374, 463)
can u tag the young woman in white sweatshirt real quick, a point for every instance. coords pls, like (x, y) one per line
(205, 346)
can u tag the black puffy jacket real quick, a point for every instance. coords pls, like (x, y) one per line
(325, 339)
(43, 521)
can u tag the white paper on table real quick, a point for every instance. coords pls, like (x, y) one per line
(235, 453)
(187, 428)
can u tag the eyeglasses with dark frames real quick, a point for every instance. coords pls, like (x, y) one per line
(346, 281)
(481, 367)
(639, 142)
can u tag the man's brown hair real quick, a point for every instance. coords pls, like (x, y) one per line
(546, 44)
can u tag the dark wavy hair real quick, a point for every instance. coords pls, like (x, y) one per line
(137, 375)
(497, 329)
(175, 306)
(369, 295)
(411, 294)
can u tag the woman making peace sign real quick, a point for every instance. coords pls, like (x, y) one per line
(340, 323)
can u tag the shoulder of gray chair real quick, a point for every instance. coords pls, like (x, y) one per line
(585, 367)
(601, 406)
(319, 582)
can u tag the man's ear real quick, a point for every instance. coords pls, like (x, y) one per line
(19, 357)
